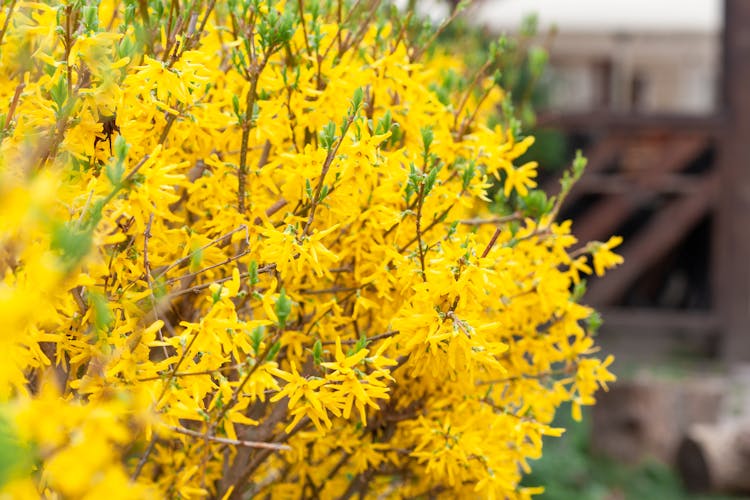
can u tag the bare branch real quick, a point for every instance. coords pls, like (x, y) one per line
(232, 442)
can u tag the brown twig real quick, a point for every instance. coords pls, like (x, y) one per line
(374, 338)
(7, 21)
(144, 457)
(13, 103)
(247, 124)
(324, 171)
(568, 370)
(232, 442)
(491, 244)
(215, 241)
(420, 244)
(493, 220)
(198, 288)
(468, 120)
(263, 455)
(416, 54)
(432, 224)
(301, 7)
(147, 272)
(207, 268)
(330, 290)
(469, 88)
(223, 369)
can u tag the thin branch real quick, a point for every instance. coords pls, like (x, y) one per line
(330, 290)
(14, 101)
(569, 370)
(147, 271)
(223, 369)
(324, 171)
(301, 6)
(203, 286)
(164, 133)
(263, 454)
(420, 244)
(259, 360)
(491, 244)
(144, 458)
(278, 205)
(232, 442)
(432, 224)
(207, 268)
(493, 220)
(247, 124)
(374, 338)
(468, 120)
(7, 21)
(469, 88)
(420, 50)
(189, 256)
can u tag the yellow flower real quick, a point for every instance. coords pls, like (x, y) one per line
(286, 257)
(604, 258)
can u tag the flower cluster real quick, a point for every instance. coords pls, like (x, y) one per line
(282, 248)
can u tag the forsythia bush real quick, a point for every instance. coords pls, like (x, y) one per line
(246, 248)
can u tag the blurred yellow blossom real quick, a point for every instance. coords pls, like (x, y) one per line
(288, 249)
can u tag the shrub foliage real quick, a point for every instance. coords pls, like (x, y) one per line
(253, 248)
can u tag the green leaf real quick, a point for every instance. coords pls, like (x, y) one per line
(535, 203)
(324, 192)
(114, 171)
(361, 343)
(283, 308)
(317, 352)
(16, 458)
(102, 315)
(273, 351)
(593, 323)
(254, 279)
(195, 260)
(256, 338)
(121, 148)
(72, 242)
(91, 18)
(359, 96)
(431, 178)
(579, 289)
(59, 93)
(468, 174)
(236, 107)
(328, 135)
(216, 296)
(427, 137)
(160, 287)
(384, 124)
(579, 164)
(537, 60)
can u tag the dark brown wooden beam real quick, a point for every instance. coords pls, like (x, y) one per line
(662, 233)
(640, 186)
(665, 322)
(599, 157)
(639, 337)
(631, 190)
(733, 236)
(604, 217)
(603, 121)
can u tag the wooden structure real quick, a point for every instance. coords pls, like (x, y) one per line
(678, 189)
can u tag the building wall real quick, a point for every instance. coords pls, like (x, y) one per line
(652, 56)
(634, 72)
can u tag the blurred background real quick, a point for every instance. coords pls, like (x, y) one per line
(656, 93)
